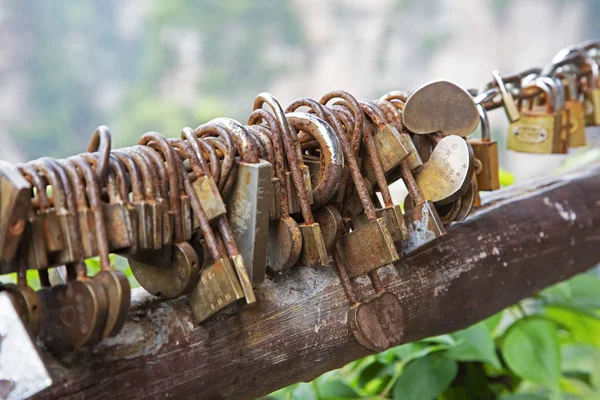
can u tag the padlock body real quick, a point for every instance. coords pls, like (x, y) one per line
(37, 256)
(424, 227)
(536, 133)
(118, 226)
(217, 288)
(186, 218)
(209, 197)
(314, 251)
(248, 212)
(486, 151)
(275, 204)
(394, 221)
(367, 248)
(592, 107)
(88, 232)
(576, 123)
(390, 147)
(144, 220)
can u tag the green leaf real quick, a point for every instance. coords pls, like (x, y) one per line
(531, 350)
(475, 344)
(492, 322)
(425, 378)
(582, 327)
(524, 396)
(336, 389)
(585, 289)
(448, 340)
(372, 371)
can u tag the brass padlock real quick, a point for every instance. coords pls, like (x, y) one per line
(538, 131)
(508, 102)
(574, 109)
(218, 286)
(592, 94)
(486, 151)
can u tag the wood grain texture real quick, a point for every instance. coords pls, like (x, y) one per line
(526, 239)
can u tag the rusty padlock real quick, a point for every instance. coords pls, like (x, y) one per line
(313, 251)
(285, 239)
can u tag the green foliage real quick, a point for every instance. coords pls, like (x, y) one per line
(547, 347)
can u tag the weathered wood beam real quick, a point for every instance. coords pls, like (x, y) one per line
(525, 240)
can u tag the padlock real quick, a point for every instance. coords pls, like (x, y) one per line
(120, 226)
(85, 218)
(313, 251)
(25, 298)
(538, 131)
(592, 93)
(380, 323)
(180, 274)
(59, 222)
(285, 240)
(260, 131)
(83, 301)
(37, 256)
(163, 200)
(391, 114)
(508, 102)
(138, 203)
(486, 151)
(218, 286)
(15, 204)
(390, 147)
(114, 283)
(373, 235)
(423, 222)
(205, 186)
(575, 111)
(151, 206)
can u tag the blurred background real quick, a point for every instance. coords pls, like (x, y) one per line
(67, 67)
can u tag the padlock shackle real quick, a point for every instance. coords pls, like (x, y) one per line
(376, 115)
(77, 182)
(210, 153)
(100, 143)
(332, 157)
(208, 131)
(58, 194)
(150, 185)
(157, 168)
(94, 200)
(260, 132)
(569, 81)
(353, 105)
(247, 148)
(135, 177)
(186, 152)
(32, 176)
(273, 131)
(397, 98)
(292, 150)
(484, 121)
(188, 134)
(160, 144)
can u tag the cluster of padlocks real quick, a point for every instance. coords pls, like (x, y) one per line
(209, 215)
